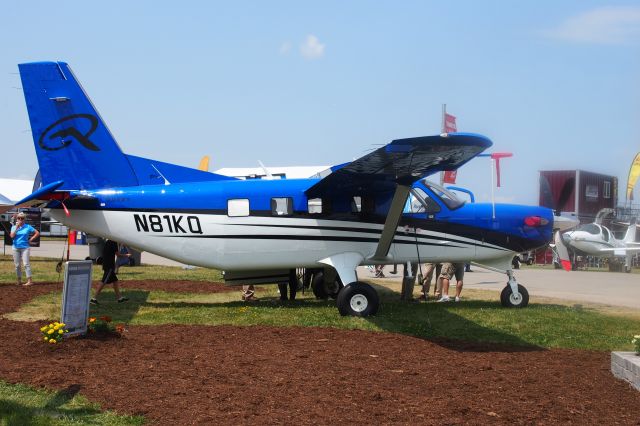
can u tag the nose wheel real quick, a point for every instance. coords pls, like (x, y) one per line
(509, 299)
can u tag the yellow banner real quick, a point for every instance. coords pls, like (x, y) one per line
(634, 173)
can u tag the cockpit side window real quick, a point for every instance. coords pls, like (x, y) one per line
(420, 202)
(590, 228)
(605, 233)
(448, 198)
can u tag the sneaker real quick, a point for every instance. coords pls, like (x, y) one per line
(457, 299)
(444, 299)
(123, 299)
(94, 302)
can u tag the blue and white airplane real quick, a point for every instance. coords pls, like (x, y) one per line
(378, 209)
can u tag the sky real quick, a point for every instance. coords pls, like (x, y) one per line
(292, 83)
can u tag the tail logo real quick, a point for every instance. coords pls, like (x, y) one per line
(70, 132)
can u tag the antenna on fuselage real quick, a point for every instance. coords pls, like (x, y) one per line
(166, 182)
(267, 173)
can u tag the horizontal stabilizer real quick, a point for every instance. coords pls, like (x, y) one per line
(152, 172)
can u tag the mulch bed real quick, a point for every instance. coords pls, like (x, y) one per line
(185, 375)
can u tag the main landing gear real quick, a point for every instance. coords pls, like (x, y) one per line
(358, 299)
(514, 295)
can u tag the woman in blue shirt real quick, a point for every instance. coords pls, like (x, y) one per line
(22, 234)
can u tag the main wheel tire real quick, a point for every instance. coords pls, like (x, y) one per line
(508, 300)
(529, 262)
(321, 290)
(358, 300)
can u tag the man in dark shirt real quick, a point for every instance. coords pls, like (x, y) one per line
(109, 267)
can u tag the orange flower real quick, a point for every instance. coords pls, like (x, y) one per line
(92, 319)
(120, 328)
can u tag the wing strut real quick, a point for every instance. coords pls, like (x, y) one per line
(391, 223)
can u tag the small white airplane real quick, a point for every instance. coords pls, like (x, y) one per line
(260, 230)
(595, 239)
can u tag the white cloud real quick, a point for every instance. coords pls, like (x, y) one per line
(285, 48)
(605, 25)
(312, 48)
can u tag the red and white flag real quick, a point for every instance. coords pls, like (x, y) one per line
(450, 123)
(449, 126)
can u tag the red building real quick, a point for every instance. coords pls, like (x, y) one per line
(581, 193)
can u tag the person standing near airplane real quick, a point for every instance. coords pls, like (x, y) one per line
(429, 269)
(22, 234)
(109, 255)
(449, 270)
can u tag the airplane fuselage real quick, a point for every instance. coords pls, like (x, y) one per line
(195, 223)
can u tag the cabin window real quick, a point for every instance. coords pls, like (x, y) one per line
(238, 207)
(281, 206)
(606, 189)
(363, 204)
(368, 205)
(356, 204)
(314, 205)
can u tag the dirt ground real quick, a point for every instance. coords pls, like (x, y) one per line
(262, 375)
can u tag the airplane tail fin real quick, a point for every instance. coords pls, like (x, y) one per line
(630, 236)
(72, 142)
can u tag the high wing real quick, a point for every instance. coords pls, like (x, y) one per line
(403, 161)
(394, 168)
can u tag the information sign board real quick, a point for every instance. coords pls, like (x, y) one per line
(75, 296)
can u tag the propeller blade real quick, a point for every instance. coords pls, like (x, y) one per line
(563, 253)
(565, 193)
(564, 223)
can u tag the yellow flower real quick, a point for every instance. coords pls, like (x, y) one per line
(50, 331)
(43, 328)
(52, 341)
(46, 338)
(62, 324)
(56, 327)
(60, 331)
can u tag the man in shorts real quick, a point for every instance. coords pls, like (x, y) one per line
(449, 270)
(109, 255)
(429, 269)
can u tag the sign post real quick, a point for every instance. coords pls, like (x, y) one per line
(75, 296)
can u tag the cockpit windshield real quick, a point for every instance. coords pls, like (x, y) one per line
(449, 198)
(591, 228)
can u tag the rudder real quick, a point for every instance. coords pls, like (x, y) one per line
(71, 140)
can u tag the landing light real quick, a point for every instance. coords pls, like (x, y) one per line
(535, 221)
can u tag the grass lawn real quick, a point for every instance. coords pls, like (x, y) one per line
(22, 405)
(545, 323)
(44, 270)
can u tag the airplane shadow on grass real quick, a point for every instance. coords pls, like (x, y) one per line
(21, 414)
(119, 312)
(437, 323)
